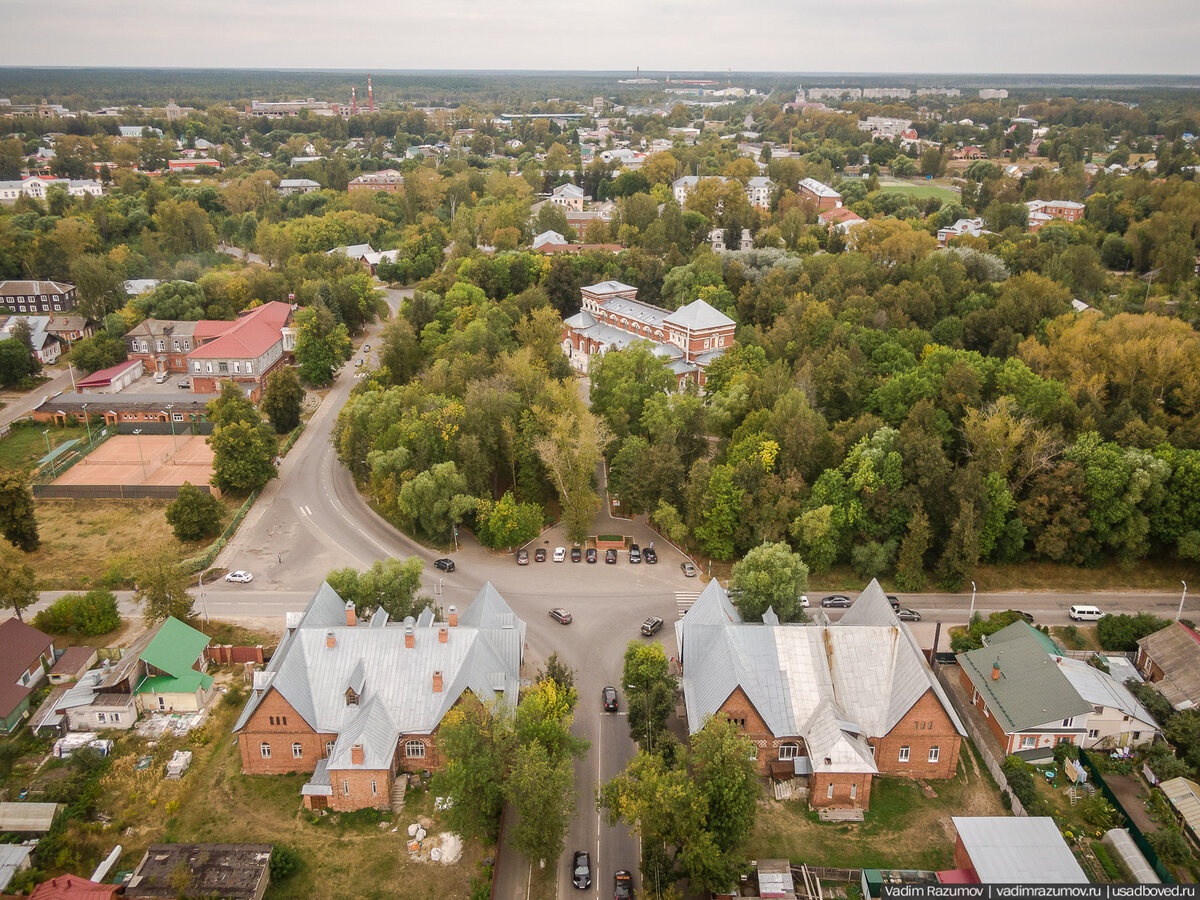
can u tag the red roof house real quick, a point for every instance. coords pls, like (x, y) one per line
(73, 887)
(24, 654)
(243, 351)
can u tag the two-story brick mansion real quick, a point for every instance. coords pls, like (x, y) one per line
(612, 317)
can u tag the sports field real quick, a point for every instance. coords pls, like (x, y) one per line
(144, 459)
(922, 191)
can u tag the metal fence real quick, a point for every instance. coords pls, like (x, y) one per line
(1139, 838)
(177, 428)
(110, 491)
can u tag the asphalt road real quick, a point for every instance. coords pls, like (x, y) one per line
(17, 406)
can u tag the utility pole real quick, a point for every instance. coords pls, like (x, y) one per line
(1181, 599)
(972, 614)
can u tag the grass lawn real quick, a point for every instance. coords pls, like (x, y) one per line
(82, 540)
(920, 190)
(902, 829)
(346, 856)
(26, 444)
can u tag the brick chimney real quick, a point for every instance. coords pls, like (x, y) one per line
(410, 639)
(437, 681)
(330, 640)
(443, 634)
(356, 755)
(996, 670)
(453, 618)
(351, 614)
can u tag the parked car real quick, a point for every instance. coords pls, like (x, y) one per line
(609, 695)
(358, 362)
(650, 555)
(240, 577)
(622, 885)
(688, 569)
(1028, 617)
(161, 377)
(366, 348)
(610, 556)
(522, 557)
(895, 601)
(590, 556)
(576, 554)
(804, 600)
(560, 554)
(183, 383)
(635, 553)
(445, 564)
(539, 555)
(839, 601)
(651, 626)
(908, 615)
(560, 615)
(581, 867)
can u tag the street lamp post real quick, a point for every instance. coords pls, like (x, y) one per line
(972, 614)
(137, 433)
(203, 601)
(46, 435)
(1181, 599)
(171, 419)
(87, 423)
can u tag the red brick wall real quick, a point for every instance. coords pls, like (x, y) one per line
(352, 789)
(923, 727)
(818, 791)
(961, 859)
(979, 704)
(277, 723)
(739, 708)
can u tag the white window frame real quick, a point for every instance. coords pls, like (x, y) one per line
(414, 749)
(790, 750)
(935, 753)
(905, 752)
(297, 750)
(264, 750)
(99, 717)
(853, 790)
(829, 791)
(114, 717)
(1028, 742)
(329, 747)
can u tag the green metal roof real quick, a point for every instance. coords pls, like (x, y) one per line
(175, 648)
(1031, 690)
(166, 684)
(1010, 632)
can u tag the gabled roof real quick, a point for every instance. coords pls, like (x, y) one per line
(568, 190)
(175, 648)
(1184, 795)
(1099, 688)
(481, 654)
(106, 376)
(373, 730)
(1031, 690)
(608, 287)
(819, 188)
(20, 647)
(249, 336)
(834, 684)
(1176, 651)
(698, 316)
(73, 887)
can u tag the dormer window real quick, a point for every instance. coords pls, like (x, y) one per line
(351, 697)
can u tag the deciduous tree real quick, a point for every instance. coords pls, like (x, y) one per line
(18, 584)
(17, 521)
(770, 575)
(194, 514)
(161, 588)
(282, 398)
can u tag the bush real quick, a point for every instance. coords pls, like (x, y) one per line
(284, 862)
(87, 614)
(1170, 846)
(1099, 812)
(1020, 781)
(1121, 633)
(195, 514)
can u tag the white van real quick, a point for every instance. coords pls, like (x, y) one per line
(161, 377)
(1081, 612)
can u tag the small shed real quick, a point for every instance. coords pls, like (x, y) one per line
(1184, 796)
(34, 818)
(73, 663)
(114, 379)
(181, 760)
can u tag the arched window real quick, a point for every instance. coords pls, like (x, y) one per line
(789, 751)
(414, 749)
(329, 748)
(265, 749)
(297, 751)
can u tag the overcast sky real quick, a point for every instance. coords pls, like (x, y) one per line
(1015, 36)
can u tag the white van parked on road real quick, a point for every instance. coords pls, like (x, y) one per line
(1083, 613)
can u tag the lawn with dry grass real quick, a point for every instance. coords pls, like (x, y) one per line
(89, 542)
(345, 857)
(904, 828)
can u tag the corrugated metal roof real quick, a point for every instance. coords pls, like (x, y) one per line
(1031, 690)
(1018, 850)
(1184, 795)
(175, 648)
(1176, 650)
(13, 857)
(374, 731)
(35, 817)
(1101, 689)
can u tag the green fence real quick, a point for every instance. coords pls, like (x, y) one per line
(1139, 838)
(292, 438)
(205, 559)
(100, 434)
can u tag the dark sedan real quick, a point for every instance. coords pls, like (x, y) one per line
(622, 885)
(590, 556)
(650, 556)
(445, 564)
(835, 601)
(610, 556)
(908, 615)
(539, 555)
(609, 695)
(581, 870)
(576, 554)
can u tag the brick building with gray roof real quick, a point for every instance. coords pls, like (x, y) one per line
(354, 701)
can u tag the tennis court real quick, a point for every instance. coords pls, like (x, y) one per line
(151, 459)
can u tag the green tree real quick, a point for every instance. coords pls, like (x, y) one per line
(89, 614)
(195, 514)
(17, 362)
(570, 452)
(557, 671)
(910, 567)
(282, 398)
(719, 514)
(321, 345)
(770, 575)
(18, 584)
(243, 457)
(100, 285)
(1122, 632)
(506, 522)
(100, 351)
(161, 588)
(17, 521)
(392, 584)
(434, 501)
(649, 693)
(622, 382)
(541, 789)
(476, 744)
(230, 406)
(723, 766)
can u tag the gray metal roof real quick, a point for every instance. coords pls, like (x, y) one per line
(373, 730)
(482, 654)
(1030, 690)
(1102, 689)
(1176, 650)
(1018, 850)
(834, 684)
(12, 858)
(699, 315)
